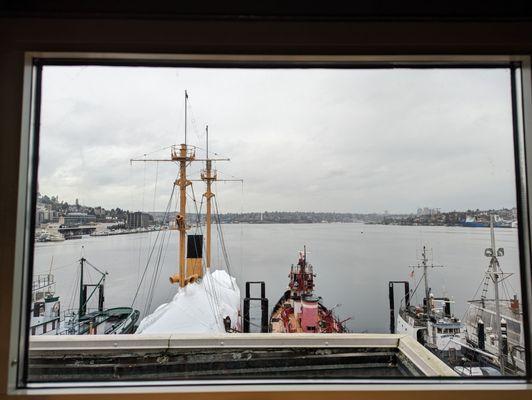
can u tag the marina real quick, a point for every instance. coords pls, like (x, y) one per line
(347, 247)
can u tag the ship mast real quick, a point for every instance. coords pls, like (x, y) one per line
(208, 176)
(182, 182)
(183, 156)
(425, 266)
(494, 274)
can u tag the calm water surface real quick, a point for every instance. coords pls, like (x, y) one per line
(353, 263)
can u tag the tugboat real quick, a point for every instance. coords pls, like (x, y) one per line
(299, 310)
(432, 323)
(500, 345)
(46, 318)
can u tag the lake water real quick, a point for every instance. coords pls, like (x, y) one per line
(353, 263)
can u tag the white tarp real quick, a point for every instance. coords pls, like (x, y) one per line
(199, 307)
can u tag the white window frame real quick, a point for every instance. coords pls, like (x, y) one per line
(524, 94)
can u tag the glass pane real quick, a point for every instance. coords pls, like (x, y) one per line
(318, 202)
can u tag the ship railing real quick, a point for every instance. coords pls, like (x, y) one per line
(71, 323)
(42, 281)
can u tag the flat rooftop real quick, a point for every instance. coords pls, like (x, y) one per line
(248, 356)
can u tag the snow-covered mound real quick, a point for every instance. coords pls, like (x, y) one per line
(199, 307)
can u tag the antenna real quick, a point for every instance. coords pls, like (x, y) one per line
(425, 267)
(51, 264)
(494, 273)
(186, 101)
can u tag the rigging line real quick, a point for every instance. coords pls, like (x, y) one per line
(222, 240)
(214, 302)
(505, 288)
(154, 192)
(508, 282)
(64, 265)
(151, 152)
(474, 296)
(142, 209)
(155, 275)
(229, 175)
(151, 252)
(75, 282)
(101, 272)
(212, 299)
(193, 120)
(241, 233)
(165, 252)
(203, 261)
(414, 291)
(213, 296)
(193, 198)
(216, 299)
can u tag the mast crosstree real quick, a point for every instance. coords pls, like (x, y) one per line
(424, 264)
(184, 155)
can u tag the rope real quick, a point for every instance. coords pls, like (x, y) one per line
(142, 208)
(155, 190)
(155, 276)
(213, 296)
(64, 265)
(153, 248)
(222, 242)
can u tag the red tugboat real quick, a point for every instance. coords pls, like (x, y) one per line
(299, 310)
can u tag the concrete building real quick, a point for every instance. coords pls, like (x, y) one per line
(138, 220)
(72, 219)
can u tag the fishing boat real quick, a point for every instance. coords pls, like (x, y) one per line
(299, 310)
(207, 299)
(431, 323)
(494, 322)
(47, 318)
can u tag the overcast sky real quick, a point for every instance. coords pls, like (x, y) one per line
(302, 139)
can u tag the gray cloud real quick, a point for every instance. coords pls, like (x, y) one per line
(323, 140)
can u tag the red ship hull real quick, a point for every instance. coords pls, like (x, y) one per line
(299, 310)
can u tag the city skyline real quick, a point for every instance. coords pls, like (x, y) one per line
(418, 211)
(324, 140)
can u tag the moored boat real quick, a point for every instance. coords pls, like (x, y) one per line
(494, 322)
(431, 323)
(299, 310)
(47, 318)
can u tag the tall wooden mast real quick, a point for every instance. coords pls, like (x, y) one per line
(209, 175)
(183, 156)
(181, 219)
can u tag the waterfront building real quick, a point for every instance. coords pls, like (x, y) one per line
(138, 220)
(74, 218)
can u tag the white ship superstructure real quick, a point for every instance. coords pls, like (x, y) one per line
(431, 323)
(494, 322)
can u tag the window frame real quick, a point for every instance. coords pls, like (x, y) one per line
(33, 61)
